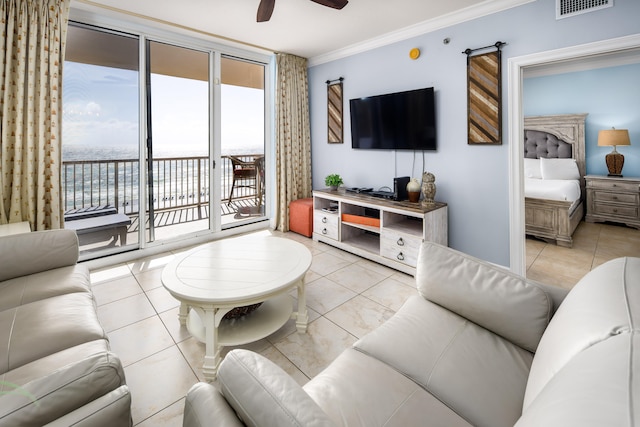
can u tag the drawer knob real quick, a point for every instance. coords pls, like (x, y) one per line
(324, 231)
(615, 210)
(324, 219)
(400, 242)
(400, 256)
(615, 197)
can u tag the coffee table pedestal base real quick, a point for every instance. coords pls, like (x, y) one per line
(264, 321)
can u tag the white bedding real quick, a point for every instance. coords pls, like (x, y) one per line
(552, 189)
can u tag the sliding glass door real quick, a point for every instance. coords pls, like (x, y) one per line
(243, 159)
(177, 145)
(100, 139)
(152, 131)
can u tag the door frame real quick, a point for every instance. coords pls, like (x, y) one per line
(516, 67)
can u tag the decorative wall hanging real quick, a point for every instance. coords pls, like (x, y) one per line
(484, 93)
(334, 111)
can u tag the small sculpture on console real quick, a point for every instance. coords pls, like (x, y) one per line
(428, 189)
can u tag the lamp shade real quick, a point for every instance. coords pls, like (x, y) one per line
(614, 137)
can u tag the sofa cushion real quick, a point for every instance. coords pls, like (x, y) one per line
(478, 374)
(45, 250)
(598, 387)
(264, 395)
(358, 390)
(44, 327)
(64, 390)
(46, 284)
(600, 306)
(494, 298)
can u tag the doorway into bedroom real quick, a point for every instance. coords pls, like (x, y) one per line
(606, 87)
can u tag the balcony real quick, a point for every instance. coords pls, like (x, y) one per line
(106, 188)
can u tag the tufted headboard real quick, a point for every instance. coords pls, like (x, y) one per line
(556, 136)
(539, 144)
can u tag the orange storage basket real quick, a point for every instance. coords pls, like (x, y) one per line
(364, 220)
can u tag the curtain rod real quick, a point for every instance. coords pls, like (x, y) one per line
(335, 80)
(497, 45)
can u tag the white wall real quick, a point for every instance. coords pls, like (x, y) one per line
(611, 96)
(473, 180)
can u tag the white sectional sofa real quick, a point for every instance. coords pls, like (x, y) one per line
(476, 346)
(56, 367)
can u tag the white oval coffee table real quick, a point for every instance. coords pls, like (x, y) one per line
(214, 278)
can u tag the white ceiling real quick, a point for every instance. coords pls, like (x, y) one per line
(305, 28)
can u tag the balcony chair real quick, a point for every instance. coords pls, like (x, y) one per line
(259, 162)
(244, 173)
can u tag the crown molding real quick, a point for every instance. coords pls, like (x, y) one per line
(485, 8)
(616, 59)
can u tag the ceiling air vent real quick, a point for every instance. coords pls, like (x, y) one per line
(567, 8)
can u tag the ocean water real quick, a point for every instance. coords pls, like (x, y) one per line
(79, 152)
(114, 181)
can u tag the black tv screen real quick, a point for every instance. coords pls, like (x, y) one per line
(394, 121)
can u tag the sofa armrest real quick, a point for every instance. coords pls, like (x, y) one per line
(29, 253)
(263, 394)
(111, 410)
(48, 398)
(205, 406)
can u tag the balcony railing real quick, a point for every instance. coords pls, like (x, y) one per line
(178, 182)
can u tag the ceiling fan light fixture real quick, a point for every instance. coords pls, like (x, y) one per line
(265, 8)
(336, 4)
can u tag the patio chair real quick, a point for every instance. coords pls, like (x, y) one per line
(259, 162)
(244, 175)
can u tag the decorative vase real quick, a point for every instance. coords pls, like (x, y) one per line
(413, 189)
(428, 189)
(414, 196)
(333, 187)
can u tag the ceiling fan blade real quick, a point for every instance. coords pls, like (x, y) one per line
(336, 4)
(265, 10)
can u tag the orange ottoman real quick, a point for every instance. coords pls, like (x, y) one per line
(301, 216)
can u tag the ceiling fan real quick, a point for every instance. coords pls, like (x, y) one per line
(265, 9)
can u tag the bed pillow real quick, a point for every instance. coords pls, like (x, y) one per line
(532, 168)
(559, 169)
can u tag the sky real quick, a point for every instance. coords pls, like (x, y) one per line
(101, 109)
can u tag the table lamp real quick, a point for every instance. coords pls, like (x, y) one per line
(614, 137)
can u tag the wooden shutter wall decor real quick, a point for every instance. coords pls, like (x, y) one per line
(484, 96)
(334, 111)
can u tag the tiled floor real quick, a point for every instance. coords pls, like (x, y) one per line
(347, 297)
(593, 245)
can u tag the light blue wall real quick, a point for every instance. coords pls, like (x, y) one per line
(611, 96)
(473, 180)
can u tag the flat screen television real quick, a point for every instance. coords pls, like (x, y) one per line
(394, 121)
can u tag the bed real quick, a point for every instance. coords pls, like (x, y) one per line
(554, 176)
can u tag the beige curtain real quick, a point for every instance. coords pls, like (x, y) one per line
(33, 40)
(293, 136)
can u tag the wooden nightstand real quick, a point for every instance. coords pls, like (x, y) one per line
(613, 199)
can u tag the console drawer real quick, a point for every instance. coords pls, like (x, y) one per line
(615, 186)
(619, 211)
(326, 224)
(605, 196)
(400, 247)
